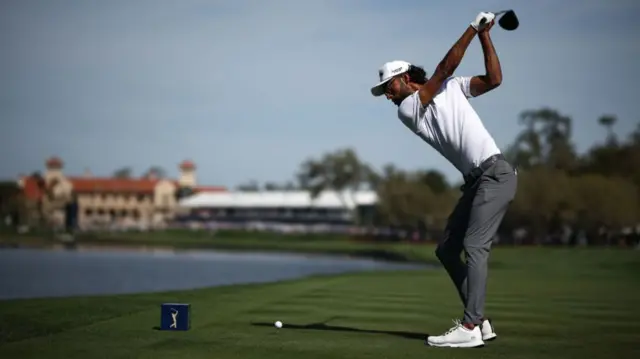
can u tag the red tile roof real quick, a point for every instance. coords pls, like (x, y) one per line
(187, 165)
(117, 185)
(31, 188)
(210, 189)
(54, 162)
(137, 185)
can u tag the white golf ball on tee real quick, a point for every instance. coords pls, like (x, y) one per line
(278, 324)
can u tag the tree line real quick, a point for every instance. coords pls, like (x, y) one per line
(596, 193)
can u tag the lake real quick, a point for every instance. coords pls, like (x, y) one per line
(33, 273)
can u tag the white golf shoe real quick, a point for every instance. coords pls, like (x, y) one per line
(458, 337)
(488, 331)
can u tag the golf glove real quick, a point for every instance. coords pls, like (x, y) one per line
(482, 20)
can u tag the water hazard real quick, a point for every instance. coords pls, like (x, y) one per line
(32, 273)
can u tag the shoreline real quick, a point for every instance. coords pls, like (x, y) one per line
(380, 252)
(132, 271)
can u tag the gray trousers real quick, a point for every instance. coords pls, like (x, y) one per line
(470, 228)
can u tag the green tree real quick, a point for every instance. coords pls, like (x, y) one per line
(250, 186)
(608, 121)
(544, 194)
(608, 201)
(271, 186)
(124, 172)
(614, 158)
(634, 138)
(155, 172)
(411, 199)
(340, 171)
(545, 141)
(436, 181)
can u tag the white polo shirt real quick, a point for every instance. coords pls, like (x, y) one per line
(450, 125)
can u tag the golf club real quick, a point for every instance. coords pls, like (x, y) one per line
(508, 21)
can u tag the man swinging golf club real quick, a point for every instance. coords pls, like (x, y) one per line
(438, 111)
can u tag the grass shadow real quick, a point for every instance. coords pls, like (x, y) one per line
(337, 328)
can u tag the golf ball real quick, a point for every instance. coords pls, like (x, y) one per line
(278, 324)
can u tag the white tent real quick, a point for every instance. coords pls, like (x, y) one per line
(283, 199)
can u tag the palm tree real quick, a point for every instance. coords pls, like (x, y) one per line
(608, 121)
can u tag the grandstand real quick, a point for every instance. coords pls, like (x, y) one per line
(281, 207)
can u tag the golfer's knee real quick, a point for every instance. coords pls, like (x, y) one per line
(477, 254)
(445, 253)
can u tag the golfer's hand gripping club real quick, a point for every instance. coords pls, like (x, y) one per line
(482, 20)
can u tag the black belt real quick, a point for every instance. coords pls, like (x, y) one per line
(476, 172)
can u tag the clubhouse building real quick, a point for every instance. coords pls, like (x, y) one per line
(87, 202)
(94, 202)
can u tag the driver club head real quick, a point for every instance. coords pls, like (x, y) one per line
(509, 21)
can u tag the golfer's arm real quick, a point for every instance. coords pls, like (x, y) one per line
(447, 66)
(493, 77)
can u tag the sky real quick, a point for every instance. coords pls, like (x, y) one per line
(250, 89)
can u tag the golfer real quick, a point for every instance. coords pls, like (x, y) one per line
(438, 111)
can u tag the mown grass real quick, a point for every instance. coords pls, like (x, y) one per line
(545, 303)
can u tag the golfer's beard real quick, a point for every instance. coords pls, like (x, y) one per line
(398, 100)
(403, 93)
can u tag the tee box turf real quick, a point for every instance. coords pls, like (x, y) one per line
(175, 316)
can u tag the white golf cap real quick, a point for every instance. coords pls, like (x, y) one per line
(386, 72)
